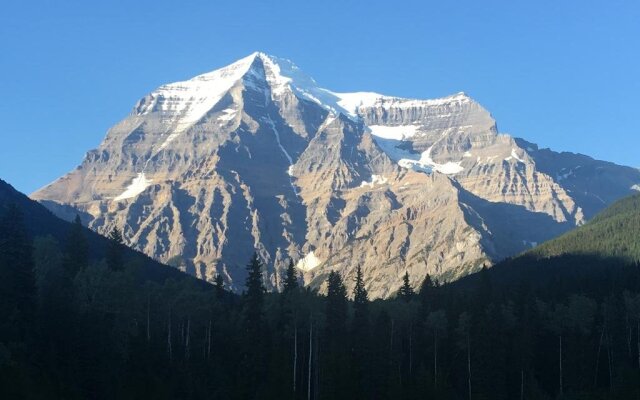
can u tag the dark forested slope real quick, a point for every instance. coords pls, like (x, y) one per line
(40, 222)
(615, 232)
(82, 317)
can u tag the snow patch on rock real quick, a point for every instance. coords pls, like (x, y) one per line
(399, 132)
(352, 102)
(227, 114)
(375, 180)
(514, 156)
(137, 186)
(391, 140)
(308, 263)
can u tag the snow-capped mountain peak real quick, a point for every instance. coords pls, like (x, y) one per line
(258, 157)
(186, 102)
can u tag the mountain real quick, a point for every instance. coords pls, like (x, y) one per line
(257, 156)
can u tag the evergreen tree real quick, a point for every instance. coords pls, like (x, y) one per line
(219, 286)
(336, 310)
(360, 295)
(336, 356)
(252, 376)
(360, 336)
(360, 307)
(115, 248)
(76, 254)
(427, 295)
(406, 291)
(254, 297)
(291, 279)
(287, 324)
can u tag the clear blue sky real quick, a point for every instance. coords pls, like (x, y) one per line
(564, 74)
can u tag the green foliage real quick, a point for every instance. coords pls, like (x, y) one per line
(406, 291)
(291, 279)
(254, 295)
(360, 295)
(612, 233)
(336, 310)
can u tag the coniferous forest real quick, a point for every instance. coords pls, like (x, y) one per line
(79, 326)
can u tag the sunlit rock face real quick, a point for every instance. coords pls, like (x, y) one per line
(256, 156)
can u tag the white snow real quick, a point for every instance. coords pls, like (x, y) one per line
(228, 114)
(375, 180)
(137, 186)
(282, 75)
(351, 102)
(309, 262)
(514, 155)
(389, 141)
(448, 168)
(182, 104)
(636, 187)
(398, 132)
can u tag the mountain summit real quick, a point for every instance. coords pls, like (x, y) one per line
(256, 156)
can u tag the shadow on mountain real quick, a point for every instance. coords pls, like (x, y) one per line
(508, 229)
(593, 184)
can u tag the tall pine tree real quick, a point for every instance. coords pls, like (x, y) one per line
(427, 295)
(291, 279)
(219, 286)
(336, 357)
(254, 351)
(406, 291)
(360, 337)
(115, 249)
(360, 296)
(254, 297)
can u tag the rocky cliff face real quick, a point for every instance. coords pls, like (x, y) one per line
(256, 156)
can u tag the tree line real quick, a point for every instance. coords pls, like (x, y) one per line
(74, 327)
